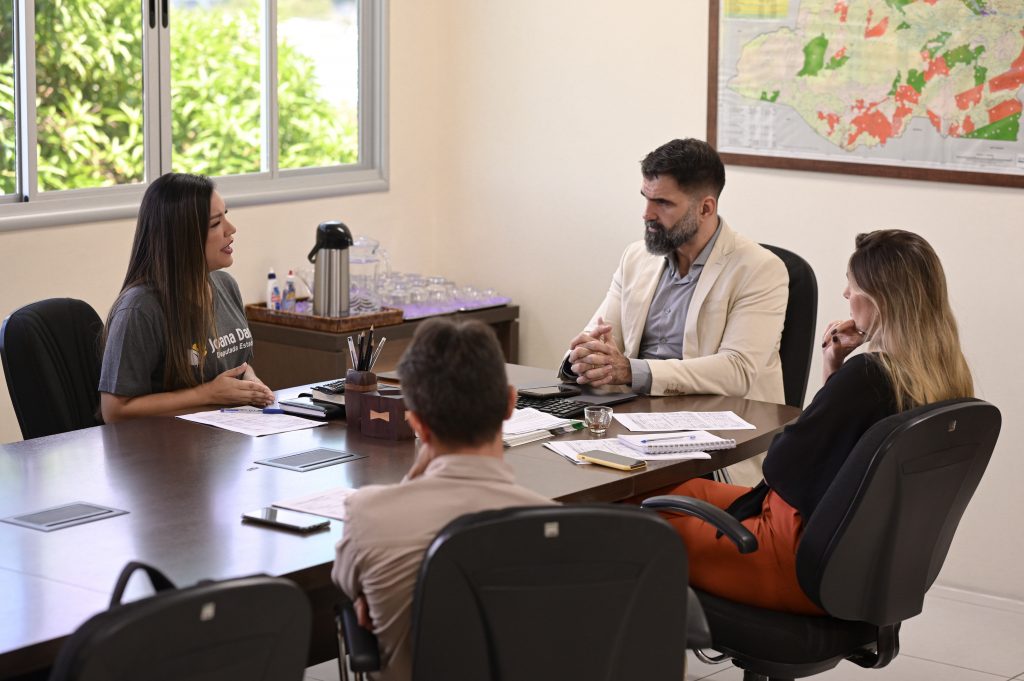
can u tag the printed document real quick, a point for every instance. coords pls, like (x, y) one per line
(683, 420)
(529, 420)
(252, 423)
(328, 503)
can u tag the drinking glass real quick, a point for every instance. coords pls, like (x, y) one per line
(597, 419)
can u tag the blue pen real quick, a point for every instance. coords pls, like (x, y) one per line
(674, 436)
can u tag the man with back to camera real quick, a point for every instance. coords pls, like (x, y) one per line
(455, 387)
(694, 307)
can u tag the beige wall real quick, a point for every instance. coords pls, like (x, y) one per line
(516, 132)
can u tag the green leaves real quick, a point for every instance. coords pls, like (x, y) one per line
(90, 120)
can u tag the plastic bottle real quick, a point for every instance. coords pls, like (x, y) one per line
(288, 293)
(273, 291)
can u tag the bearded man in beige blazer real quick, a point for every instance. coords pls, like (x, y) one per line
(694, 308)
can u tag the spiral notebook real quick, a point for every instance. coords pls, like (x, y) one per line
(673, 443)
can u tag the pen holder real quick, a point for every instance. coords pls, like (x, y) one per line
(357, 385)
(383, 416)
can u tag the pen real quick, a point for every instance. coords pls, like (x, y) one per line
(368, 350)
(376, 353)
(672, 436)
(352, 353)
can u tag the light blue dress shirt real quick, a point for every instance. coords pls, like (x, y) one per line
(666, 318)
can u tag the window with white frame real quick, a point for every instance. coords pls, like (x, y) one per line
(276, 99)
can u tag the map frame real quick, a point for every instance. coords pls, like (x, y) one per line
(869, 169)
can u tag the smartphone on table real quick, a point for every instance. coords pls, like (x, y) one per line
(623, 463)
(550, 391)
(285, 519)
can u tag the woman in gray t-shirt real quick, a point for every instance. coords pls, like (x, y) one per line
(176, 338)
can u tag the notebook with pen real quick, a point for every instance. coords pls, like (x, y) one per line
(674, 443)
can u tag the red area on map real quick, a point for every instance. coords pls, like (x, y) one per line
(830, 118)
(874, 123)
(969, 98)
(1003, 109)
(936, 67)
(840, 54)
(878, 30)
(905, 93)
(841, 9)
(1012, 79)
(936, 121)
(968, 125)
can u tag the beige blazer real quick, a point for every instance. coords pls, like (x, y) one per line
(733, 326)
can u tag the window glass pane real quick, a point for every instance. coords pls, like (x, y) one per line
(7, 131)
(215, 86)
(318, 82)
(89, 93)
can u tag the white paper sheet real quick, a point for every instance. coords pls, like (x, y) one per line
(683, 420)
(329, 503)
(529, 419)
(252, 423)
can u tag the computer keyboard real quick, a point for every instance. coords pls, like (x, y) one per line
(333, 388)
(556, 406)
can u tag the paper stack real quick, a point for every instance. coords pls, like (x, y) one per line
(530, 425)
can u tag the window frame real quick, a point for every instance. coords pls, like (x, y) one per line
(36, 209)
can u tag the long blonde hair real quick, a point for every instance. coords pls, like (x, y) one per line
(914, 330)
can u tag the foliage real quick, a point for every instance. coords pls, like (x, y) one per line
(90, 108)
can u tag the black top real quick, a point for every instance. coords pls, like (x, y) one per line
(806, 456)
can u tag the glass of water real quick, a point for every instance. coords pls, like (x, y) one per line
(597, 419)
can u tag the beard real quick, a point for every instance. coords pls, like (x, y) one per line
(661, 241)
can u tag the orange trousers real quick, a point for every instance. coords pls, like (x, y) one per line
(765, 578)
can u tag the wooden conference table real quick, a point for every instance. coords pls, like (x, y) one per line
(185, 486)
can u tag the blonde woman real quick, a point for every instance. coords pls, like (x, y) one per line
(900, 315)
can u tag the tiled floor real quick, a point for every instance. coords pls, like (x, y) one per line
(950, 641)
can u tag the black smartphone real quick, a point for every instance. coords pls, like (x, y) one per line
(289, 520)
(550, 391)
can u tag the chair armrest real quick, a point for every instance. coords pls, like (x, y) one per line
(360, 643)
(745, 541)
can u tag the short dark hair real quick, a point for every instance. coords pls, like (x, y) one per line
(693, 163)
(453, 377)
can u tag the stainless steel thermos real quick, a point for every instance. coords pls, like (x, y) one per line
(331, 274)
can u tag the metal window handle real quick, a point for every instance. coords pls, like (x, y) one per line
(164, 9)
(152, 13)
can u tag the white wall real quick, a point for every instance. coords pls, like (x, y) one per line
(517, 130)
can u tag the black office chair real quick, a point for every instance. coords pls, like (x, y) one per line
(51, 357)
(232, 630)
(870, 550)
(552, 592)
(797, 345)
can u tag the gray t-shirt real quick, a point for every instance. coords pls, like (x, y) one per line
(133, 359)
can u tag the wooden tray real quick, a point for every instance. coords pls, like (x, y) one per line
(258, 312)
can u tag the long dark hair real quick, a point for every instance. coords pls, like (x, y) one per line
(914, 331)
(169, 258)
